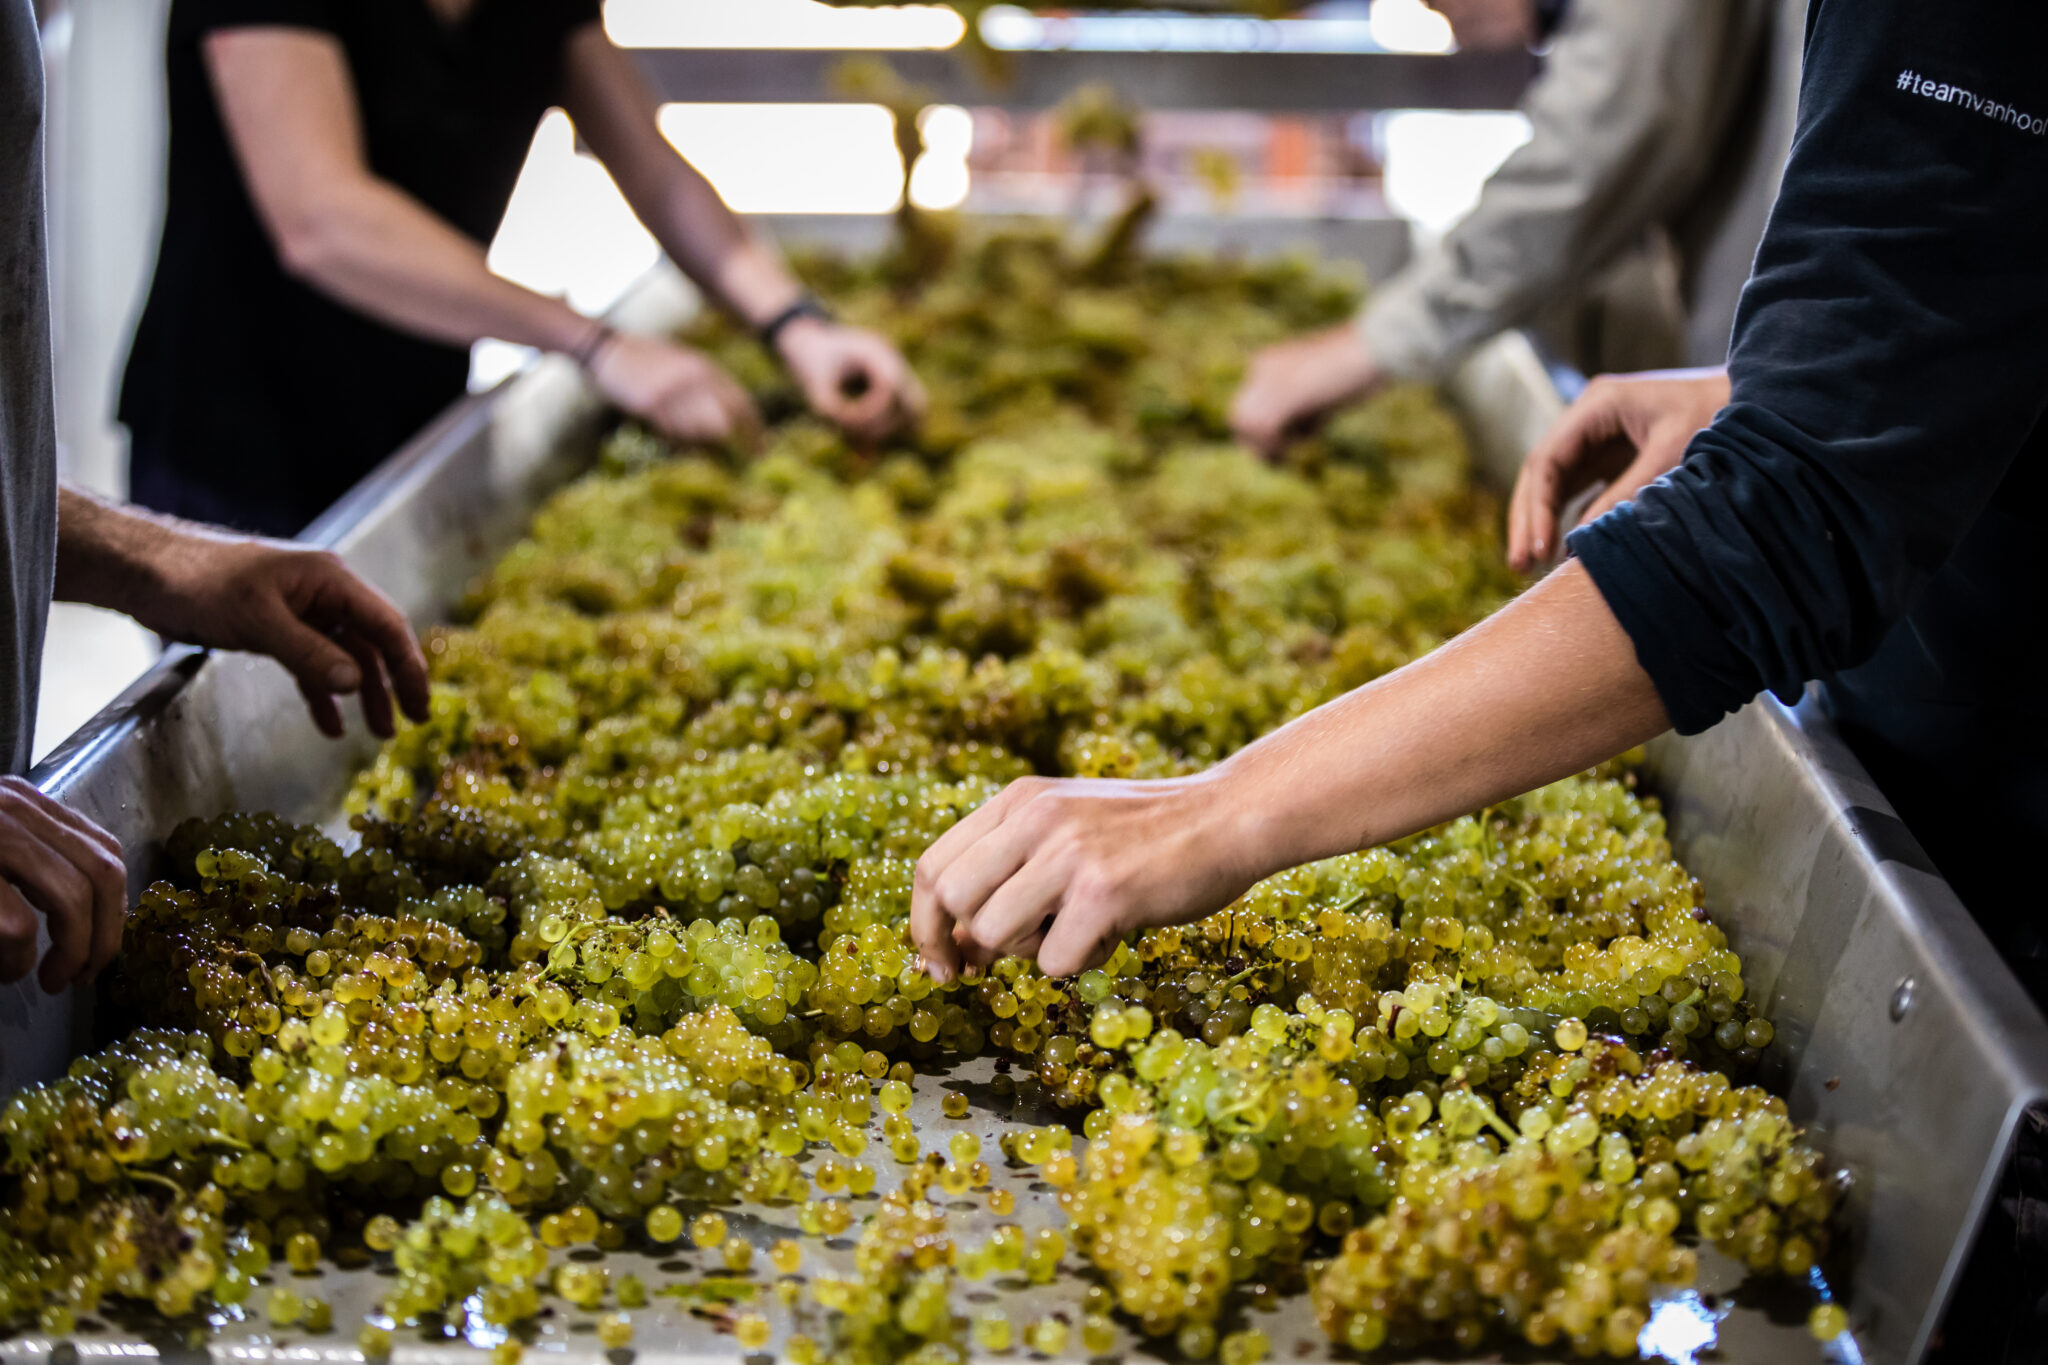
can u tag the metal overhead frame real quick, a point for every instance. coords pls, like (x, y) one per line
(1298, 82)
(1267, 82)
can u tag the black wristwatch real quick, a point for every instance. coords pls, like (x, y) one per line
(805, 306)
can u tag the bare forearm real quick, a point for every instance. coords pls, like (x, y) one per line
(711, 244)
(105, 551)
(617, 115)
(333, 632)
(378, 250)
(289, 105)
(1548, 686)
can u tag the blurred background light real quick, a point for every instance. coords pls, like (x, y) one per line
(1410, 26)
(792, 158)
(570, 233)
(1436, 160)
(1011, 28)
(778, 23)
(1336, 26)
(940, 179)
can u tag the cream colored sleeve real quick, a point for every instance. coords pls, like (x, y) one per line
(1626, 119)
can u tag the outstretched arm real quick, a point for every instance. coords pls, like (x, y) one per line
(1626, 120)
(289, 106)
(1062, 869)
(334, 633)
(849, 376)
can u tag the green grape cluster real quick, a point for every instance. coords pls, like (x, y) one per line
(87, 1219)
(897, 1306)
(626, 1122)
(621, 932)
(481, 1247)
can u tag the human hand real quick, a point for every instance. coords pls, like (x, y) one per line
(1293, 385)
(851, 377)
(680, 392)
(55, 860)
(1625, 429)
(1062, 869)
(334, 633)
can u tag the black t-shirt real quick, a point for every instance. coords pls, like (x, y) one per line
(259, 397)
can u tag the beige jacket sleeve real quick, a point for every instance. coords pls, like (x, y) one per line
(1627, 119)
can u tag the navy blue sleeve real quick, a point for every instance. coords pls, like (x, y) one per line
(1890, 357)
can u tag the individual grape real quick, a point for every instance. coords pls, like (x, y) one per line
(302, 1252)
(751, 1331)
(284, 1307)
(1047, 1337)
(615, 1331)
(1248, 1347)
(1827, 1321)
(1098, 1334)
(992, 1331)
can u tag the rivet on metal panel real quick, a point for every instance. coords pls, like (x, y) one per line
(1902, 998)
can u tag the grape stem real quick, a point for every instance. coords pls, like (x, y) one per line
(1497, 1123)
(1348, 906)
(262, 969)
(153, 1178)
(568, 943)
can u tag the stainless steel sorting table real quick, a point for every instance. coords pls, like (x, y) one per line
(1902, 1041)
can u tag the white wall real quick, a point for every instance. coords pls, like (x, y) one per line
(105, 166)
(103, 155)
